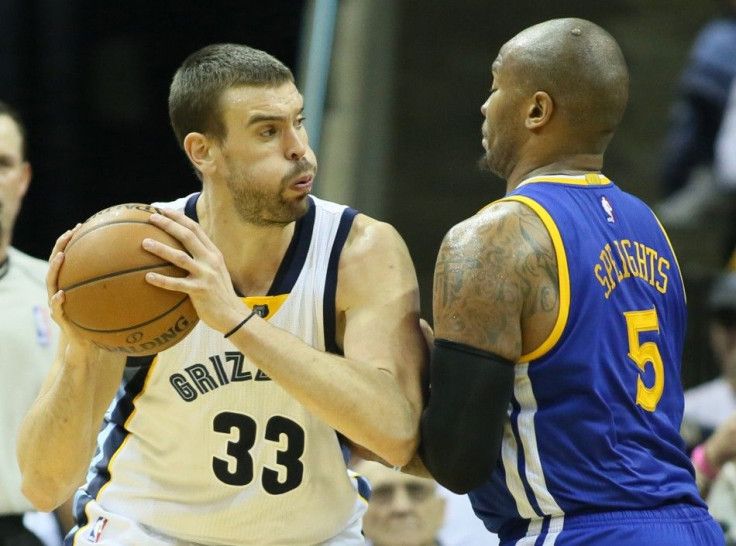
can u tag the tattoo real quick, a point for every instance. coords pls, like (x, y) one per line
(494, 272)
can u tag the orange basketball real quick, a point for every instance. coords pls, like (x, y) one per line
(107, 296)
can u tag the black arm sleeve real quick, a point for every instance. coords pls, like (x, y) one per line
(462, 425)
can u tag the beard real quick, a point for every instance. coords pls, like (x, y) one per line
(263, 207)
(498, 160)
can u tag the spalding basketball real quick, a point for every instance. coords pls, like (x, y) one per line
(106, 294)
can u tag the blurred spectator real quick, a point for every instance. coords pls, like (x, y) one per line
(709, 423)
(725, 147)
(725, 162)
(27, 339)
(406, 510)
(689, 188)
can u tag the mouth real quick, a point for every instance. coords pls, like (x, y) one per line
(303, 184)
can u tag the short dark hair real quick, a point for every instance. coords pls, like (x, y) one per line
(12, 113)
(194, 96)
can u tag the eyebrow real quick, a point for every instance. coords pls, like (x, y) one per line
(259, 118)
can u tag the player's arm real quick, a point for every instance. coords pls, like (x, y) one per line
(57, 436)
(487, 275)
(373, 394)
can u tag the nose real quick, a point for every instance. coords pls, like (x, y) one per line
(484, 108)
(296, 144)
(401, 501)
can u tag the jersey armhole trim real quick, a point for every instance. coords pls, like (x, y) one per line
(563, 273)
(672, 249)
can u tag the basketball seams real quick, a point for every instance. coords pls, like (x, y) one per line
(114, 274)
(134, 326)
(100, 226)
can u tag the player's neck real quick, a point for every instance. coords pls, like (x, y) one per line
(565, 165)
(253, 253)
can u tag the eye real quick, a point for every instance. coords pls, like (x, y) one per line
(299, 123)
(268, 132)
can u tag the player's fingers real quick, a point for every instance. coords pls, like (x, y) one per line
(186, 236)
(169, 254)
(52, 273)
(172, 218)
(62, 241)
(178, 284)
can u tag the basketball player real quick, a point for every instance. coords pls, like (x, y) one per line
(560, 313)
(309, 336)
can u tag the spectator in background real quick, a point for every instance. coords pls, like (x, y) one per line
(725, 165)
(406, 510)
(27, 337)
(709, 424)
(725, 148)
(690, 192)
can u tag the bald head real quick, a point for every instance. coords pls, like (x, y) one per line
(579, 65)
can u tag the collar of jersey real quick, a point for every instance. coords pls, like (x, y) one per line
(4, 267)
(587, 179)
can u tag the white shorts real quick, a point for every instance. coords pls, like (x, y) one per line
(108, 529)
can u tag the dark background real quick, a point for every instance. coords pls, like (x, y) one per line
(91, 79)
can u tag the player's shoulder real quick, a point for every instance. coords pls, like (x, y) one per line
(364, 229)
(499, 218)
(177, 204)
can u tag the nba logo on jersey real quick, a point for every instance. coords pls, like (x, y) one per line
(96, 533)
(43, 325)
(606, 204)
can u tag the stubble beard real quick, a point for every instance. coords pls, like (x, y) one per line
(490, 163)
(257, 206)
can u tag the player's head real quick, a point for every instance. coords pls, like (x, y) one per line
(15, 171)
(202, 79)
(239, 117)
(559, 88)
(403, 509)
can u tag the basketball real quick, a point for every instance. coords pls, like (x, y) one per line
(106, 294)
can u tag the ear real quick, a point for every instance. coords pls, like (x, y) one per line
(540, 111)
(26, 178)
(199, 151)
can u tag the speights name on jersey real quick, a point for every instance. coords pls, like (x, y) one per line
(627, 259)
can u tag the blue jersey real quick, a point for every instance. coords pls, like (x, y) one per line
(595, 415)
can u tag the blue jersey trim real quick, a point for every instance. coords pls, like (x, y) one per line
(293, 262)
(330, 321)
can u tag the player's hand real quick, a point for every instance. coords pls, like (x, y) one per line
(208, 284)
(56, 296)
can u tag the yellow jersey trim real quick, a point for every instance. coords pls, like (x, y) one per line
(672, 249)
(564, 278)
(588, 179)
(273, 303)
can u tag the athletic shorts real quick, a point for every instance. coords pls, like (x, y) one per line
(680, 525)
(108, 529)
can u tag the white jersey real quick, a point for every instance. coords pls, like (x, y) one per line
(201, 447)
(27, 346)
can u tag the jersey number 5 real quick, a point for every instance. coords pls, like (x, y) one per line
(243, 469)
(643, 354)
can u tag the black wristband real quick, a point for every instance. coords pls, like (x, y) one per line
(240, 324)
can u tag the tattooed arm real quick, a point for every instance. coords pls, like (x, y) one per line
(495, 298)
